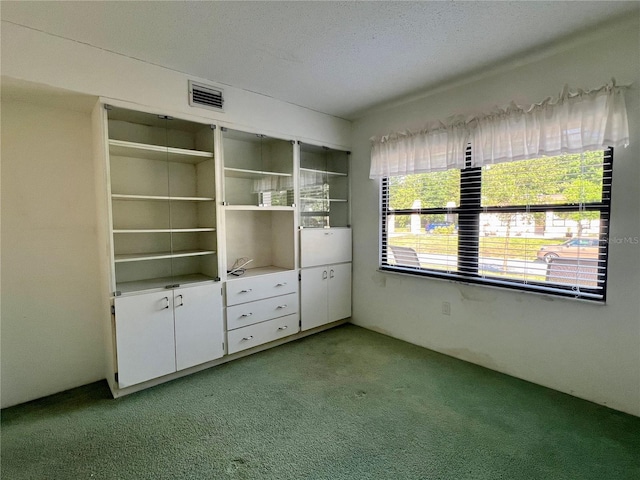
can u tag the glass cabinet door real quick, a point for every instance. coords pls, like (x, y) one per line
(258, 170)
(324, 187)
(162, 176)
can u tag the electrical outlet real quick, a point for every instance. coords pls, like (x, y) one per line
(446, 308)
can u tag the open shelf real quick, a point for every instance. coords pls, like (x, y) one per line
(252, 174)
(124, 148)
(161, 282)
(323, 172)
(120, 196)
(165, 230)
(136, 257)
(255, 272)
(257, 207)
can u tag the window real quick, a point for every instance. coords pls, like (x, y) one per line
(539, 225)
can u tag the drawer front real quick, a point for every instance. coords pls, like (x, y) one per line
(244, 290)
(261, 310)
(265, 332)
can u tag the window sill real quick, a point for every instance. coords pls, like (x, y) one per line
(548, 295)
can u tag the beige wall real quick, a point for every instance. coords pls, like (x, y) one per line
(50, 330)
(46, 59)
(581, 348)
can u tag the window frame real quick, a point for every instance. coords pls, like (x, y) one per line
(468, 212)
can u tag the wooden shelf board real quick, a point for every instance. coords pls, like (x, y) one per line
(314, 214)
(257, 207)
(324, 172)
(164, 230)
(160, 255)
(254, 272)
(121, 196)
(161, 283)
(156, 152)
(246, 173)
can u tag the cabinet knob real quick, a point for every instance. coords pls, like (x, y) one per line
(246, 315)
(280, 307)
(283, 328)
(281, 284)
(246, 291)
(250, 337)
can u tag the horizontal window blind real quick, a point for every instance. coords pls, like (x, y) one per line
(539, 224)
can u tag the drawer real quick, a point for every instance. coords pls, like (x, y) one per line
(242, 290)
(261, 310)
(260, 333)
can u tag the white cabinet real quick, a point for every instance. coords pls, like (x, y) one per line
(325, 286)
(144, 337)
(325, 294)
(261, 309)
(198, 327)
(191, 207)
(321, 246)
(160, 175)
(159, 333)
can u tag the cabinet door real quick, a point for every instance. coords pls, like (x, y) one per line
(144, 337)
(339, 291)
(321, 246)
(198, 324)
(313, 289)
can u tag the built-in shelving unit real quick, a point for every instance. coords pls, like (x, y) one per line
(324, 187)
(259, 202)
(163, 200)
(174, 199)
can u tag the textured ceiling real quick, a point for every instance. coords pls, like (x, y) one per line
(340, 58)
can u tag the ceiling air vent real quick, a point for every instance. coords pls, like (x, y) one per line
(205, 96)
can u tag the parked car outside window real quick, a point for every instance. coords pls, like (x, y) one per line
(574, 248)
(441, 227)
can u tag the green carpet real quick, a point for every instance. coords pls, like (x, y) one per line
(344, 404)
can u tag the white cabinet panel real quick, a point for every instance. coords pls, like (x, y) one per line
(313, 295)
(261, 310)
(145, 337)
(248, 289)
(199, 331)
(339, 294)
(321, 246)
(254, 335)
(325, 294)
(160, 332)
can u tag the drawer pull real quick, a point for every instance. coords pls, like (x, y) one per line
(280, 307)
(246, 291)
(283, 328)
(244, 315)
(281, 284)
(250, 337)
(181, 301)
(166, 299)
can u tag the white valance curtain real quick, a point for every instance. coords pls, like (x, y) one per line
(574, 122)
